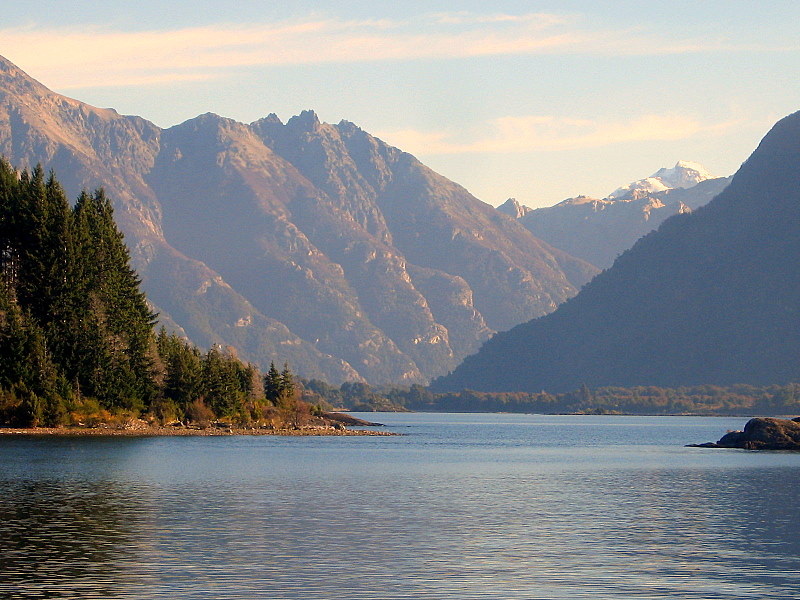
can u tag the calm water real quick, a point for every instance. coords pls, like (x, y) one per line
(461, 507)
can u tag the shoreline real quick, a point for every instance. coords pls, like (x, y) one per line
(331, 423)
(166, 431)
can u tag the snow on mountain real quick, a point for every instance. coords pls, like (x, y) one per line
(598, 230)
(684, 174)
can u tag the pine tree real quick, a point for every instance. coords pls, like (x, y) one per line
(75, 329)
(74, 305)
(26, 366)
(117, 313)
(287, 382)
(273, 384)
(221, 383)
(183, 378)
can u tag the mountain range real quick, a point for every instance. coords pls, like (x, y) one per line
(305, 242)
(600, 229)
(711, 297)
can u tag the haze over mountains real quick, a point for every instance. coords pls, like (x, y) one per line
(304, 242)
(598, 230)
(711, 297)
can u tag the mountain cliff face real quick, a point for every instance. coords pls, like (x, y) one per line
(712, 297)
(599, 230)
(514, 209)
(304, 242)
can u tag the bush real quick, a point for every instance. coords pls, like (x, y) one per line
(164, 411)
(199, 413)
(87, 412)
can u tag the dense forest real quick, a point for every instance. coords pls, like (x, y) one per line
(77, 337)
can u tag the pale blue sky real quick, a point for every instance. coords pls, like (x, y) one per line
(537, 100)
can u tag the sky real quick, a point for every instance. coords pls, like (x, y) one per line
(540, 101)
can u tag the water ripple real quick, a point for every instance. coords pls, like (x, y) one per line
(436, 514)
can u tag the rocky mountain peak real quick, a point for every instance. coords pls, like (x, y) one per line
(598, 230)
(310, 243)
(306, 121)
(684, 174)
(514, 209)
(18, 83)
(348, 127)
(9, 68)
(205, 120)
(271, 118)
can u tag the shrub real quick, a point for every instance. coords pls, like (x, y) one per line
(199, 413)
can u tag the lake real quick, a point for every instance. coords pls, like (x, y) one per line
(461, 506)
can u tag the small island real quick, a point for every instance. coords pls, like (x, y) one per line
(761, 433)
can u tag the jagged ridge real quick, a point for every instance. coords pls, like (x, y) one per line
(305, 241)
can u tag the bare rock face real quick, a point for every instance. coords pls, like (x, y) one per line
(305, 242)
(514, 209)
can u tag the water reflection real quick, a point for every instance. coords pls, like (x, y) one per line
(62, 540)
(433, 515)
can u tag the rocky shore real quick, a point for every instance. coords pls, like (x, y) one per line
(761, 433)
(330, 424)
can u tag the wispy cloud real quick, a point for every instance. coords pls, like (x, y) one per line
(97, 56)
(470, 18)
(548, 133)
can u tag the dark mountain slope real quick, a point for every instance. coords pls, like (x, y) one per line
(711, 297)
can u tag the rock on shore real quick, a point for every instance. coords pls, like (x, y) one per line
(762, 433)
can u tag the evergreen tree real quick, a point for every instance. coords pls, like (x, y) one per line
(272, 384)
(183, 379)
(286, 382)
(116, 311)
(75, 329)
(26, 368)
(221, 383)
(73, 308)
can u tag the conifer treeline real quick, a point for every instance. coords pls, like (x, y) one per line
(740, 399)
(77, 338)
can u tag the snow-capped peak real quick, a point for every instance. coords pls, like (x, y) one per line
(684, 174)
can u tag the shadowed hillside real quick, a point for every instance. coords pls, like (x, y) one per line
(711, 297)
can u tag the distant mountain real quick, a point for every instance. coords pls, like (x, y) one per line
(304, 242)
(514, 209)
(684, 174)
(712, 297)
(599, 230)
